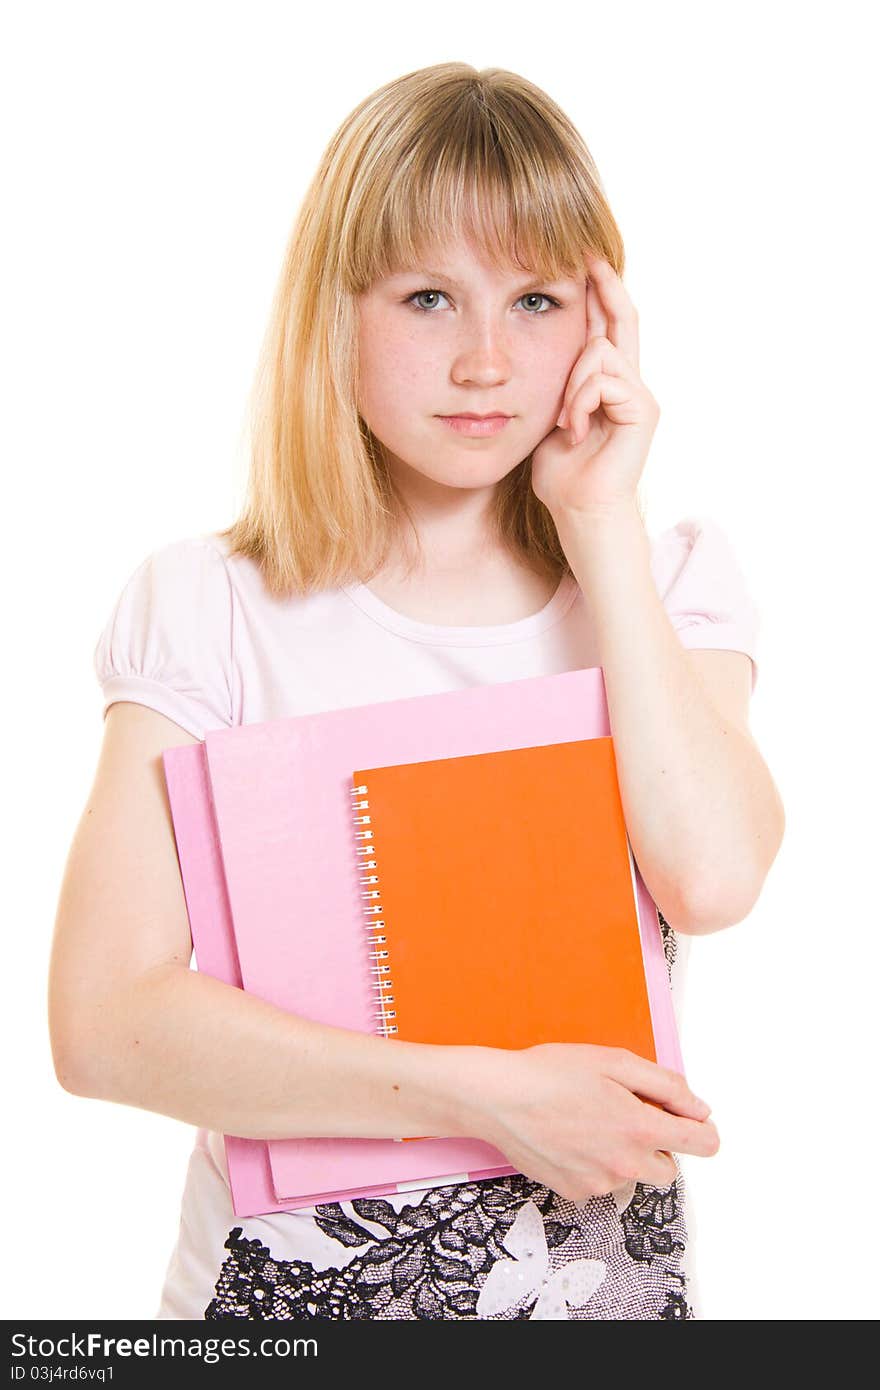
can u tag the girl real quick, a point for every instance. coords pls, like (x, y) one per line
(449, 429)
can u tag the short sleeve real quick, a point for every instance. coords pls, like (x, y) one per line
(167, 642)
(704, 590)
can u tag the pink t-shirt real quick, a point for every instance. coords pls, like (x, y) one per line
(195, 636)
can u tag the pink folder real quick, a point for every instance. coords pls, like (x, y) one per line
(262, 816)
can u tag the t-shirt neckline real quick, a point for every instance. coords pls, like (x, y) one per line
(446, 635)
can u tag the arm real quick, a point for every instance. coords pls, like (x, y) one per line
(704, 817)
(189, 1046)
(130, 1022)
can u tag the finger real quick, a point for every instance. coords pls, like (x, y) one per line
(659, 1170)
(651, 1127)
(650, 1081)
(619, 312)
(602, 389)
(597, 323)
(674, 1132)
(599, 355)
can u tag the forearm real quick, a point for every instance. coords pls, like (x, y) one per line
(186, 1045)
(695, 790)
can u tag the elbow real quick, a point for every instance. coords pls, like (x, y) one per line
(80, 1048)
(699, 913)
(714, 905)
(70, 1072)
(96, 1039)
(67, 1026)
(704, 919)
(710, 907)
(719, 906)
(72, 1060)
(69, 1077)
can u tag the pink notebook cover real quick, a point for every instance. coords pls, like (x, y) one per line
(264, 790)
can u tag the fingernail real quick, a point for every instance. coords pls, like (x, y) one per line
(704, 1106)
(563, 419)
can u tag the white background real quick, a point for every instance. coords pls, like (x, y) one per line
(155, 155)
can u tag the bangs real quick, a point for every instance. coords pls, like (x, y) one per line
(441, 155)
(495, 178)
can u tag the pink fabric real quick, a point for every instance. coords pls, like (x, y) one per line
(194, 635)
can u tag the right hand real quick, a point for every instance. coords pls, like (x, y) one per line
(569, 1115)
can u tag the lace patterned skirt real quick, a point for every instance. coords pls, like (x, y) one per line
(500, 1248)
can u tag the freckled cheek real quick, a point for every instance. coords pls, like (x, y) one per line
(552, 376)
(378, 375)
(405, 381)
(395, 390)
(547, 385)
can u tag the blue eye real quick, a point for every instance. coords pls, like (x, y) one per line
(418, 294)
(531, 295)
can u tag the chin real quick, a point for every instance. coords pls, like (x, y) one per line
(468, 471)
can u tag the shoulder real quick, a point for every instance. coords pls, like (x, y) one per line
(702, 533)
(190, 556)
(704, 589)
(167, 641)
(696, 557)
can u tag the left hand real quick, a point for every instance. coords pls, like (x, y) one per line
(592, 463)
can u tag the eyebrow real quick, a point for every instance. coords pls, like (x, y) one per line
(441, 275)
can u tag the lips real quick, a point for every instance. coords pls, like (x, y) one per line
(475, 426)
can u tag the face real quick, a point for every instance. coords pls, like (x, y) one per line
(457, 336)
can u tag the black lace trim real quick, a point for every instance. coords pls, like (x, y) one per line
(649, 1222)
(435, 1255)
(670, 943)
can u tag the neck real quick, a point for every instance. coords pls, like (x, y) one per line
(443, 527)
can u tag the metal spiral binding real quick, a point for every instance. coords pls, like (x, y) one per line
(374, 923)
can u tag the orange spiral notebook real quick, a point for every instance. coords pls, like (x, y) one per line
(271, 871)
(500, 899)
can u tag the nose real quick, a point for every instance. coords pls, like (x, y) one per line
(481, 356)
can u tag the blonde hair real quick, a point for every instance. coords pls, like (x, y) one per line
(442, 152)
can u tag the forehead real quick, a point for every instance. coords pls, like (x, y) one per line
(461, 260)
(460, 272)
